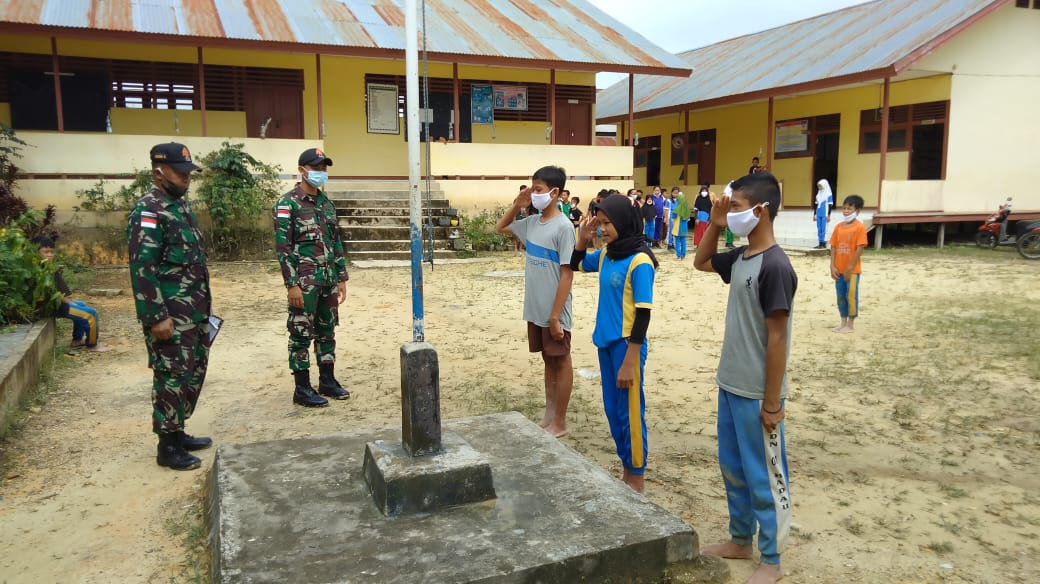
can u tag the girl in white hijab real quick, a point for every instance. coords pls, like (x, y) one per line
(824, 204)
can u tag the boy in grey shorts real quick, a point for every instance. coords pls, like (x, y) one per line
(549, 240)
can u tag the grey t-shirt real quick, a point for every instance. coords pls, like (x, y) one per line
(759, 285)
(549, 246)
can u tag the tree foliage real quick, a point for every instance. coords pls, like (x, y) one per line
(27, 281)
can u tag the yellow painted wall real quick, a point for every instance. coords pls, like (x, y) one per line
(994, 119)
(176, 122)
(473, 196)
(742, 131)
(5, 113)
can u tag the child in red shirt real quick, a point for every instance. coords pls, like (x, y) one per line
(848, 241)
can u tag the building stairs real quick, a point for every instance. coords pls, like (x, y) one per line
(374, 219)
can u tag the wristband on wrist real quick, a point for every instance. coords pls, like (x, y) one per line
(778, 410)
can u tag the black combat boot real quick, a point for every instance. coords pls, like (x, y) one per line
(173, 455)
(327, 384)
(190, 442)
(304, 394)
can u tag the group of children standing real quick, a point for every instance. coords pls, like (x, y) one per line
(751, 376)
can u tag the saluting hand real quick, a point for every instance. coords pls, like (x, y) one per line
(587, 228)
(719, 208)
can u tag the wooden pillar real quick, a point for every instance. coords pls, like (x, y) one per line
(552, 106)
(942, 236)
(56, 69)
(878, 233)
(321, 111)
(686, 150)
(884, 140)
(202, 89)
(769, 136)
(455, 94)
(631, 108)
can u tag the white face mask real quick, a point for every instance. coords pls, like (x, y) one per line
(744, 222)
(541, 200)
(850, 217)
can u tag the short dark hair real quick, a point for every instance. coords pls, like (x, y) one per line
(754, 158)
(43, 241)
(553, 176)
(761, 187)
(855, 200)
(522, 187)
(562, 191)
(576, 199)
(675, 189)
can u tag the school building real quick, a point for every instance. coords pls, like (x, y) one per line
(925, 108)
(92, 85)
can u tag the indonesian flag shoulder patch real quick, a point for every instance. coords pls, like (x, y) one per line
(283, 211)
(149, 219)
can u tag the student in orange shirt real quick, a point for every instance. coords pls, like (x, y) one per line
(848, 241)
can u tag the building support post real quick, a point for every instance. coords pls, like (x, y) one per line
(56, 69)
(321, 97)
(202, 90)
(552, 106)
(631, 108)
(884, 139)
(686, 150)
(769, 135)
(942, 236)
(455, 105)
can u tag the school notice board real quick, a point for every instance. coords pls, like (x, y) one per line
(482, 104)
(511, 97)
(792, 136)
(383, 115)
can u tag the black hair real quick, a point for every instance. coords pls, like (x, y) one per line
(553, 176)
(576, 199)
(706, 186)
(855, 200)
(759, 188)
(675, 189)
(603, 193)
(754, 158)
(522, 187)
(43, 241)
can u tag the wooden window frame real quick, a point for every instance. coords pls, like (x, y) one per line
(692, 142)
(902, 118)
(818, 125)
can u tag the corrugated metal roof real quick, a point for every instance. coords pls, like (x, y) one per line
(863, 38)
(568, 31)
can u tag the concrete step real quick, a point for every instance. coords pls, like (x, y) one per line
(438, 254)
(353, 246)
(381, 195)
(387, 204)
(385, 232)
(347, 221)
(376, 185)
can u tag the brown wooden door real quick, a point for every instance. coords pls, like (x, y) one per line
(706, 160)
(280, 108)
(573, 123)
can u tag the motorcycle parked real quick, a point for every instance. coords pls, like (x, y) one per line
(989, 236)
(1028, 240)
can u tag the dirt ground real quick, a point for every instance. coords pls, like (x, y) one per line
(912, 442)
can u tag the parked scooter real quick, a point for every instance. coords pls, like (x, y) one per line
(1028, 240)
(994, 231)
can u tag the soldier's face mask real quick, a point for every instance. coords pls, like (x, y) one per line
(173, 189)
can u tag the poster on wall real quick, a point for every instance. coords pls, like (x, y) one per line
(792, 136)
(383, 109)
(482, 104)
(511, 97)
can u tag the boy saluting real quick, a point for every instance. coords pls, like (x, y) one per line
(752, 371)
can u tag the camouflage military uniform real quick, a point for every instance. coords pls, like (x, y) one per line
(310, 252)
(170, 280)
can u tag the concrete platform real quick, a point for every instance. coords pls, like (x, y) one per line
(299, 511)
(24, 353)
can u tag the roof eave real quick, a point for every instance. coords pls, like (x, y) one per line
(751, 96)
(925, 49)
(333, 50)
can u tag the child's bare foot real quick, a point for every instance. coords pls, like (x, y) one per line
(728, 550)
(766, 574)
(635, 481)
(77, 344)
(557, 431)
(844, 330)
(838, 328)
(99, 348)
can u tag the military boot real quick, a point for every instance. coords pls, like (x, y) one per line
(304, 394)
(327, 384)
(190, 442)
(171, 454)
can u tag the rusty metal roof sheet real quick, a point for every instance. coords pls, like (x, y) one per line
(565, 31)
(868, 37)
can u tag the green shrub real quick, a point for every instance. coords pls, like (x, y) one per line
(27, 281)
(480, 232)
(237, 189)
(96, 198)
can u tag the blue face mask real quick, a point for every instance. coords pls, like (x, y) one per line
(317, 178)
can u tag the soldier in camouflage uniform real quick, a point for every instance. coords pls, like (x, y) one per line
(172, 296)
(314, 269)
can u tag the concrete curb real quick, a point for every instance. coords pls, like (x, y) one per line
(24, 353)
